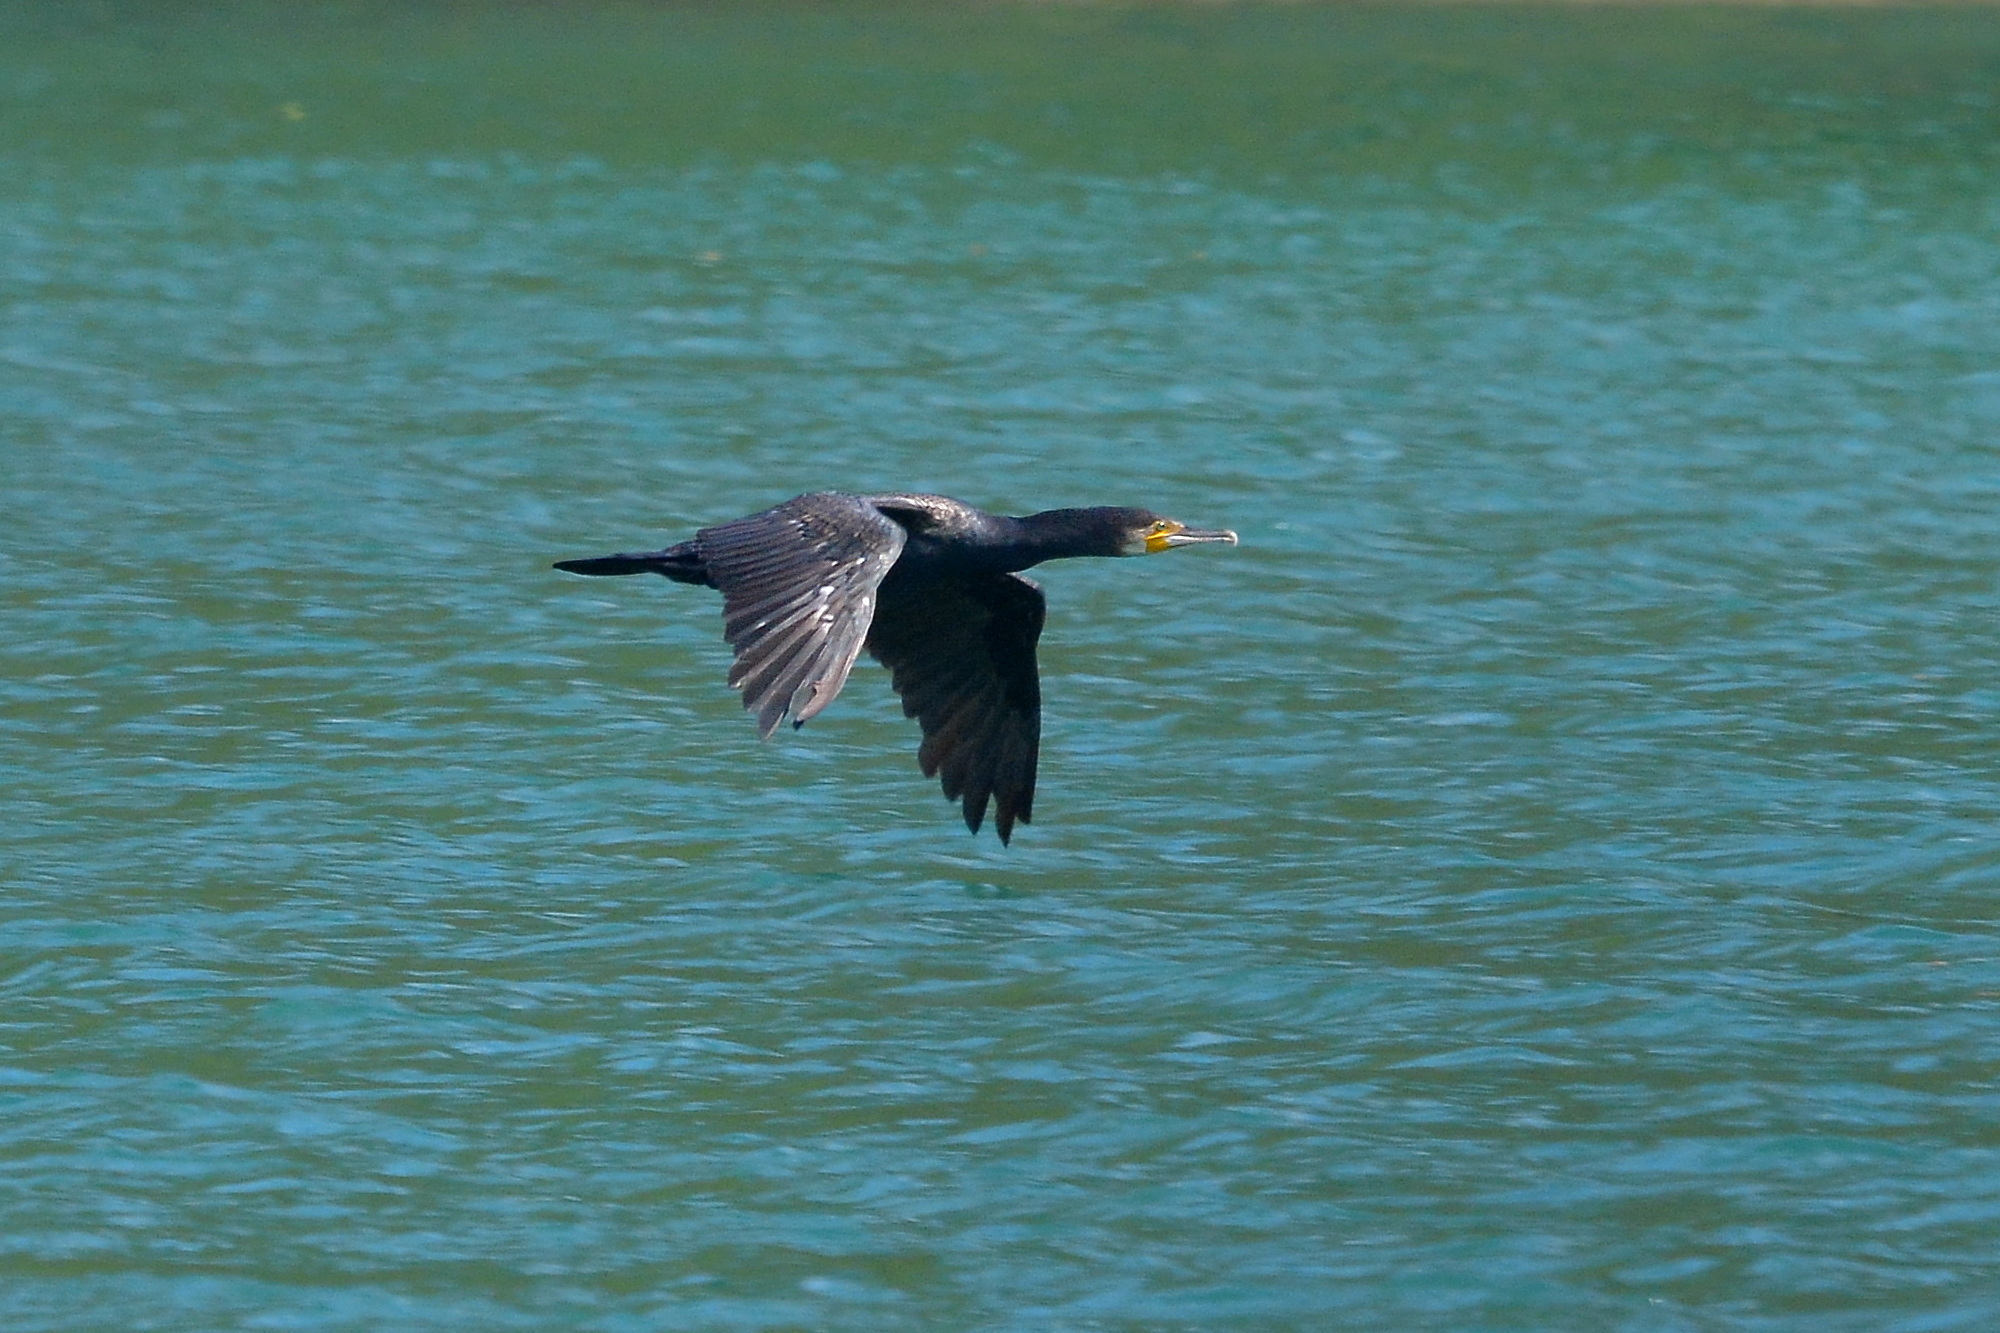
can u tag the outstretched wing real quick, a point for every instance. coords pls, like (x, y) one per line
(798, 593)
(961, 652)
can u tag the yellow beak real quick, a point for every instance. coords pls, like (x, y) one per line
(1180, 534)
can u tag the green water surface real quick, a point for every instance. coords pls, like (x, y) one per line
(1544, 879)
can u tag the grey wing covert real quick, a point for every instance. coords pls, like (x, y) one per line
(798, 588)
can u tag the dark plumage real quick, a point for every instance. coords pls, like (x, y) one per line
(931, 587)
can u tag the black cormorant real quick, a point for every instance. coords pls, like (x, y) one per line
(931, 587)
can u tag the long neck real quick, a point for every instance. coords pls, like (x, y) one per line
(1055, 534)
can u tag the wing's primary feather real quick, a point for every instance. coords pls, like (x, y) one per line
(798, 594)
(961, 653)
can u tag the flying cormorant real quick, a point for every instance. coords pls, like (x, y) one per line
(932, 588)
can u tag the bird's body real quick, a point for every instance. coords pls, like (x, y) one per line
(929, 586)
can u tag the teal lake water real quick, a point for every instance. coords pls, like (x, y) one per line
(1543, 879)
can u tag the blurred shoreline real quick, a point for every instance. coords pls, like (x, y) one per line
(1485, 4)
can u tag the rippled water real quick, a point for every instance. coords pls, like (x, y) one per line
(1542, 879)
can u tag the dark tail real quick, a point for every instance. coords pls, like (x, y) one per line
(681, 563)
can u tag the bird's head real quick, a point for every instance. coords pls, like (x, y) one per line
(1147, 533)
(1104, 530)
